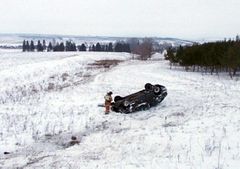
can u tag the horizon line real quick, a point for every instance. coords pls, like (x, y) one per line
(112, 36)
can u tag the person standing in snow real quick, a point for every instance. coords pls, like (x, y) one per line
(108, 101)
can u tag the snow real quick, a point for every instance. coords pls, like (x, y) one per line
(197, 126)
(15, 40)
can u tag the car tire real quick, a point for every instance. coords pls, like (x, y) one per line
(117, 98)
(148, 87)
(126, 103)
(157, 89)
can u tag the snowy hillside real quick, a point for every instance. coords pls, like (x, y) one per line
(45, 98)
(17, 39)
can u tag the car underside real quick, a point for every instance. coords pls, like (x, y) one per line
(151, 96)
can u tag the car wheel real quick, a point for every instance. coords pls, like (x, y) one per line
(117, 98)
(148, 87)
(126, 103)
(157, 89)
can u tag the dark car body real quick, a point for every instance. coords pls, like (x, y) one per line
(142, 100)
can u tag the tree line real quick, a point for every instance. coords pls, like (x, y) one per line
(142, 48)
(71, 46)
(213, 57)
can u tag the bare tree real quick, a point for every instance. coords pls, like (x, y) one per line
(145, 49)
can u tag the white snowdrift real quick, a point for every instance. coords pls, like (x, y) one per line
(27, 73)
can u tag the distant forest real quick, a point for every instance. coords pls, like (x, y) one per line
(214, 57)
(71, 46)
(144, 49)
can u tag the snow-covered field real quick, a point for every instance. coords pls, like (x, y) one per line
(45, 98)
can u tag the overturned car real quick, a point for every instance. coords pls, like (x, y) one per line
(142, 100)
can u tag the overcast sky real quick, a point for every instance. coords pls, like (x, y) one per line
(189, 19)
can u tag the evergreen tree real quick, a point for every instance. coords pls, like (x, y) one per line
(107, 48)
(24, 46)
(50, 47)
(44, 45)
(68, 46)
(93, 48)
(233, 61)
(83, 47)
(98, 47)
(74, 48)
(39, 46)
(32, 47)
(118, 47)
(237, 38)
(56, 48)
(27, 46)
(61, 47)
